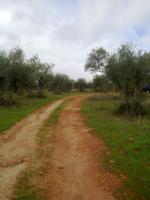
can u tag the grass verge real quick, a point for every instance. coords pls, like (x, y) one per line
(129, 143)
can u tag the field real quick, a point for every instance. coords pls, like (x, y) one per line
(128, 141)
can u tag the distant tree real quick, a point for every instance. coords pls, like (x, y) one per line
(101, 83)
(89, 85)
(81, 84)
(18, 74)
(61, 83)
(4, 67)
(96, 60)
(41, 75)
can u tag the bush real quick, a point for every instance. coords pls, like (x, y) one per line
(105, 96)
(37, 94)
(133, 109)
(8, 99)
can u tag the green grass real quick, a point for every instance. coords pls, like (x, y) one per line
(12, 114)
(129, 143)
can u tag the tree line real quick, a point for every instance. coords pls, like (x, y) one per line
(32, 77)
(126, 70)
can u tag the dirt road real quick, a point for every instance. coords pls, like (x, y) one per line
(76, 172)
(74, 167)
(17, 148)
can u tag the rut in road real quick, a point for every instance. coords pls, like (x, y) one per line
(17, 148)
(76, 173)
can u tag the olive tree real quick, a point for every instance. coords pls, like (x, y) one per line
(128, 69)
(96, 60)
(4, 67)
(61, 83)
(81, 84)
(101, 83)
(18, 74)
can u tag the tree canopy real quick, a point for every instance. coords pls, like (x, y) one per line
(96, 60)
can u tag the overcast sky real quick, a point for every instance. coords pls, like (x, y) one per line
(64, 31)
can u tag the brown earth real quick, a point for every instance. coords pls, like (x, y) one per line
(17, 148)
(76, 172)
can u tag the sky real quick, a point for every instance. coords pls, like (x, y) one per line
(64, 31)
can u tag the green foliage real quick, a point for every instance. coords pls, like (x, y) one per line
(18, 74)
(96, 60)
(4, 68)
(128, 70)
(127, 140)
(7, 98)
(101, 83)
(61, 83)
(80, 84)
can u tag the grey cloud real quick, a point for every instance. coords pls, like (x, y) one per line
(64, 31)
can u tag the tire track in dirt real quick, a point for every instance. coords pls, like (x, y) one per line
(17, 148)
(76, 172)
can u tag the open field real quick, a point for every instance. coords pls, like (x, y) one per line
(128, 142)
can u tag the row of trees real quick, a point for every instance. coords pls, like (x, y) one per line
(19, 75)
(127, 69)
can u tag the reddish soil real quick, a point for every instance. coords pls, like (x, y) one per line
(77, 172)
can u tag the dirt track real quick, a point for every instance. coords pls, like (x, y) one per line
(74, 167)
(76, 173)
(17, 148)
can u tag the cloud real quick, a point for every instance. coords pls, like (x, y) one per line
(64, 31)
